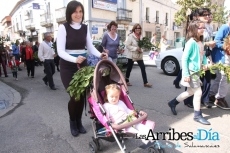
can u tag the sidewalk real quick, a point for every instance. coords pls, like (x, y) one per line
(9, 98)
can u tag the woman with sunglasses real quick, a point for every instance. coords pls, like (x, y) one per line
(135, 53)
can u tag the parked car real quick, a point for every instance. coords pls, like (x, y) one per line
(170, 61)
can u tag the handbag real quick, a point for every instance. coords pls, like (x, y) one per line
(136, 56)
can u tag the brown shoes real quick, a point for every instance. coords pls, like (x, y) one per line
(148, 85)
(212, 99)
(221, 103)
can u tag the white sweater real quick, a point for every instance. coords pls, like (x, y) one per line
(61, 43)
(45, 51)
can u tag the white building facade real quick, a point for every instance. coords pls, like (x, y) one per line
(32, 18)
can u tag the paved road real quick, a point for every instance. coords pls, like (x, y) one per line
(39, 124)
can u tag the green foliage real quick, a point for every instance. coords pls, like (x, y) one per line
(220, 67)
(80, 82)
(35, 56)
(145, 43)
(54, 46)
(188, 6)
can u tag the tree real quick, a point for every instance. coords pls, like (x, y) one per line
(187, 6)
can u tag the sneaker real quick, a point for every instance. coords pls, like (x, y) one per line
(212, 99)
(221, 103)
(226, 104)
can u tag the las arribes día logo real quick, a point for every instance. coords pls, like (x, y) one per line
(189, 137)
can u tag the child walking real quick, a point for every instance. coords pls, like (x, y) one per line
(119, 113)
(193, 60)
(13, 64)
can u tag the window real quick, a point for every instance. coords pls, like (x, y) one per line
(147, 14)
(157, 16)
(166, 19)
(148, 34)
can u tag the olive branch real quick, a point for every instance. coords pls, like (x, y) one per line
(145, 43)
(220, 67)
(81, 80)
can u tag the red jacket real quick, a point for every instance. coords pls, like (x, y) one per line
(11, 63)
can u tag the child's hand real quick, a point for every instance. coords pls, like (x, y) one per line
(205, 67)
(142, 113)
(187, 79)
(134, 113)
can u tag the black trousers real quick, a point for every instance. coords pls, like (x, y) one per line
(49, 71)
(3, 64)
(30, 67)
(142, 67)
(15, 74)
(67, 70)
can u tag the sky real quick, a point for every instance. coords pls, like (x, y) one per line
(227, 4)
(6, 7)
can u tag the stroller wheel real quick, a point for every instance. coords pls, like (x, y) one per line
(155, 150)
(99, 144)
(93, 147)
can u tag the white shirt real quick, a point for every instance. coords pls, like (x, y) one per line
(61, 43)
(45, 51)
(118, 112)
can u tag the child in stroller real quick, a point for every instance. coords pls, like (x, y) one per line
(119, 113)
(104, 125)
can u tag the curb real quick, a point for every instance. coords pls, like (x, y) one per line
(10, 95)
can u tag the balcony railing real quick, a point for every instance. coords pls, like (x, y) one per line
(46, 20)
(29, 24)
(60, 15)
(124, 16)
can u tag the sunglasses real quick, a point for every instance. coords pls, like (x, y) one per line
(138, 28)
(208, 15)
(202, 28)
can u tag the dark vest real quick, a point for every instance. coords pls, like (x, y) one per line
(75, 38)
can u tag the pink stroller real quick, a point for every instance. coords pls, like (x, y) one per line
(106, 73)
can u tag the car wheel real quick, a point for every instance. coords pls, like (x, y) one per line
(170, 66)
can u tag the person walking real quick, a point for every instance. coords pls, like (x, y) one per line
(135, 53)
(16, 52)
(193, 60)
(219, 87)
(163, 43)
(72, 38)
(46, 54)
(13, 64)
(111, 41)
(27, 54)
(3, 61)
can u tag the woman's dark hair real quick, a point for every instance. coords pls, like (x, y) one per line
(111, 24)
(193, 30)
(71, 8)
(201, 11)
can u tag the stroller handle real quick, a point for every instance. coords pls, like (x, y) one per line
(129, 124)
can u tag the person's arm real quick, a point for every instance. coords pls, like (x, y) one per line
(40, 52)
(61, 42)
(104, 40)
(187, 51)
(130, 46)
(90, 47)
(220, 35)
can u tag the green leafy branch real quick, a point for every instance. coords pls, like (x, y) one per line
(145, 43)
(220, 67)
(81, 80)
